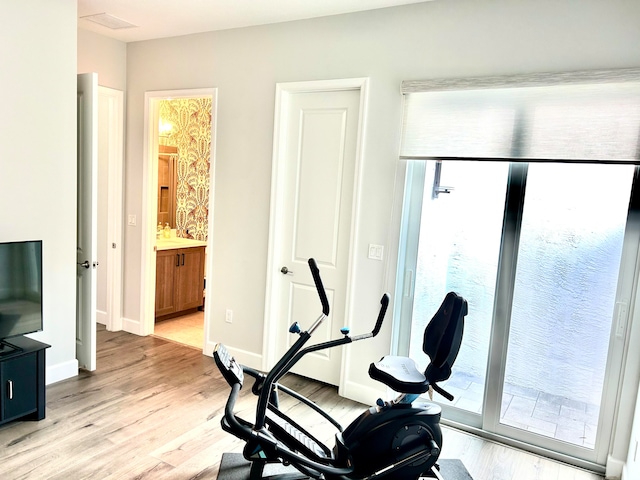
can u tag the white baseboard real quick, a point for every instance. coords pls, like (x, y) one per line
(101, 317)
(131, 326)
(362, 393)
(614, 468)
(61, 371)
(208, 348)
(249, 359)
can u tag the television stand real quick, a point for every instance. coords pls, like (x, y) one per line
(22, 380)
(7, 348)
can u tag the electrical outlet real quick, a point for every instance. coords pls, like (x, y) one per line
(229, 316)
(132, 220)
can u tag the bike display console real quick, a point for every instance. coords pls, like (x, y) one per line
(22, 380)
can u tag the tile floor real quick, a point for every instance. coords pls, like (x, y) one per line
(187, 329)
(539, 412)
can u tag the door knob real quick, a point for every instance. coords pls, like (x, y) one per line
(85, 264)
(285, 270)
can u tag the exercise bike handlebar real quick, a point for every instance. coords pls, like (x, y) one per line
(315, 272)
(297, 350)
(384, 302)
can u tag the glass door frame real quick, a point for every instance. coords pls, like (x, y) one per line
(488, 422)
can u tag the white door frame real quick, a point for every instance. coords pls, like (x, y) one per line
(150, 202)
(115, 132)
(284, 91)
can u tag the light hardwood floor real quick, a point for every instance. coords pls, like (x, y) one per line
(152, 410)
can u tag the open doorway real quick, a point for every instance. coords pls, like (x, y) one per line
(178, 193)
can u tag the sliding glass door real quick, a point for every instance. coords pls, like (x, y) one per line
(458, 249)
(536, 249)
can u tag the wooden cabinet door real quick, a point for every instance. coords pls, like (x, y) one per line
(190, 278)
(19, 384)
(166, 269)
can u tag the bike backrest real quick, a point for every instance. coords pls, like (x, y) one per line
(443, 336)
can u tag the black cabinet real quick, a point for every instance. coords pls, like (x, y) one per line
(22, 380)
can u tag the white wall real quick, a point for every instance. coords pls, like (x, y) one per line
(453, 38)
(38, 162)
(105, 56)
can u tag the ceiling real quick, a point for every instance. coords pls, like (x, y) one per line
(169, 18)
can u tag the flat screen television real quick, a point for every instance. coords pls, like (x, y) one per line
(20, 290)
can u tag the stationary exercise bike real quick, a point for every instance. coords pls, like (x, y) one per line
(398, 439)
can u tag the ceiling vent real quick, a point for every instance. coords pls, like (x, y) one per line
(109, 21)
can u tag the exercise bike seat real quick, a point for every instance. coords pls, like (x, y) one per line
(441, 342)
(400, 374)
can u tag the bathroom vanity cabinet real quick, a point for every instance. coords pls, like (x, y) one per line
(179, 280)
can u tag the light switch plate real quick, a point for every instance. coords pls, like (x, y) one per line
(375, 251)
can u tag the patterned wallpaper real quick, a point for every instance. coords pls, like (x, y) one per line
(191, 134)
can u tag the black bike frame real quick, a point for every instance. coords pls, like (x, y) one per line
(266, 386)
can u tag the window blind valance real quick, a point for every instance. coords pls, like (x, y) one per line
(580, 116)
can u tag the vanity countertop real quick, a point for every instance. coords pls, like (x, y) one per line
(175, 242)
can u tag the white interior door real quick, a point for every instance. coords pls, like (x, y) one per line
(87, 221)
(109, 240)
(320, 130)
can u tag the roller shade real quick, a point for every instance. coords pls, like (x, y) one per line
(586, 116)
